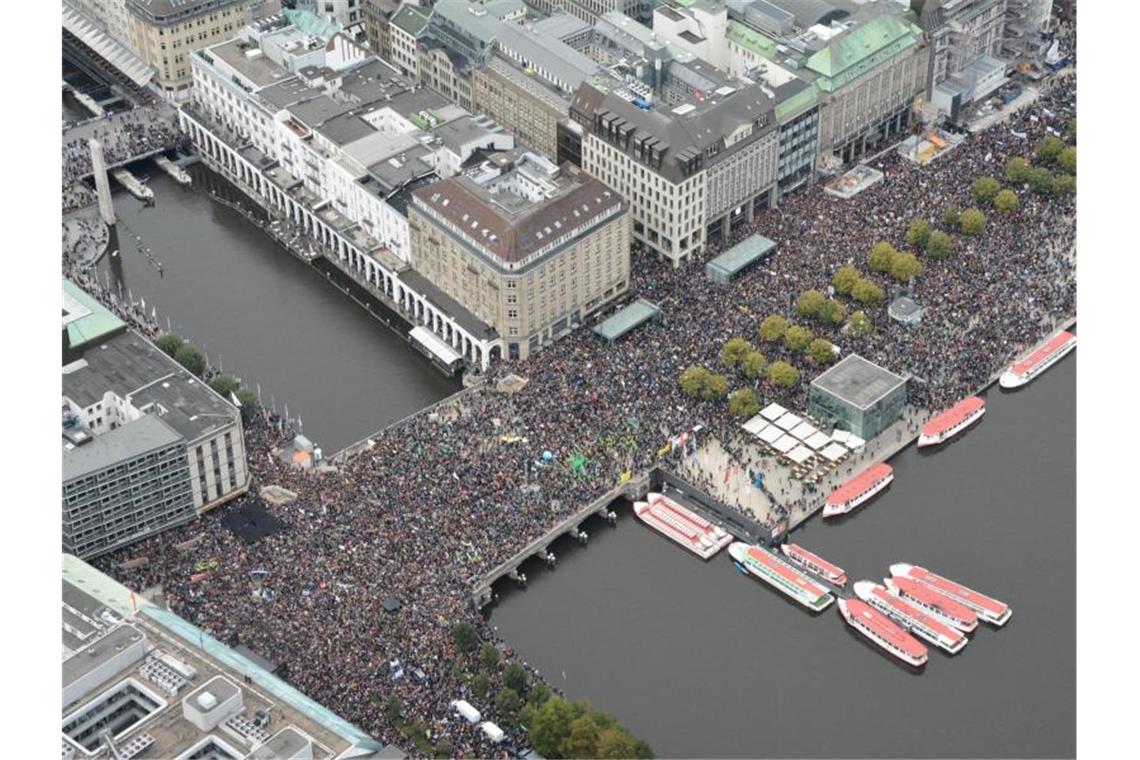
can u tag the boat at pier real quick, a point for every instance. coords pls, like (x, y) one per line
(930, 601)
(859, 489)
(1040, 360)
(951, 422)
(988, 609)
(920, 623)
(781, 576)
(682, 525)
(815, 564)
(883, 631)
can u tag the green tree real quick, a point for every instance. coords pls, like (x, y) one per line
(973, 222)
(693, 380)
(833, 312)
(984, 189)
(490, 656)
(507, 705)
(1006, 201)
(844, 279)
(951, 217)
(480, 685)
(797, 337)
(881, 256)
(773, 327)
(859, 325)
(1071, 132)
(249, 405)
(515, 677)
(1049, 148)
(224, 385)
(550, 727)
(733, 351)
(1066, 184)
(715, 388)
(1017, 170)
(782, 374)
(866, 291)
(169, 343)
(743, 403)
(905, 266)
(191, 358)
(616, 743)
(753, 364)
(1041, 180)
(821, 351)
(918, 233)
(465, 636)
(393, 709)
(1067, 160)
(443, 749)
(809, 303)
(583, 739)
(940, 245)
(539, 694)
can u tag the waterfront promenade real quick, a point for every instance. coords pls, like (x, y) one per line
(437, 501)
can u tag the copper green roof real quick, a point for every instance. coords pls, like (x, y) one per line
(750, 39)
(86, 318)
(859, 50)
(790, 108)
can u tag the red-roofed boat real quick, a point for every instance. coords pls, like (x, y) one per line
(859, 489)
(941, 607)
(1040, 360)
(920, 623)
(951, 422)
(815, 564)
(682, 525)
(882, 631)
(988, 609)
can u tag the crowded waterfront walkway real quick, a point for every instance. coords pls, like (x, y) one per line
(125, 136)
(442, 498)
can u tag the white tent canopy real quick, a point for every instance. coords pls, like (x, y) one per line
(789, 421)
(773, 412)
(854, 441)
(817, 440)
(804, 430)
(833, 452)
(785, 444)
(800, 454)
(755, 425)
(770, 434)
(840, 436)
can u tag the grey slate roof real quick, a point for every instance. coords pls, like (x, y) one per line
(134, 439)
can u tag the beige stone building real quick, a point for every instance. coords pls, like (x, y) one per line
(526, 246)
(164, 33)
(524, 105)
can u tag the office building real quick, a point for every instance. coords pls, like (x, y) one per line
(857, 396)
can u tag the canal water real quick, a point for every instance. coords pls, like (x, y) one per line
(704, 662)
(263, 315)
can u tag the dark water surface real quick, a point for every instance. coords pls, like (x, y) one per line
(702, 661)
(267, 317)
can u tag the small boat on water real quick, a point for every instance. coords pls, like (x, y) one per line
(781, 576)
(883, 631)
(951, 422)
(815, 564)
(988, 609)
(682, 525)
(921, 624)
(1039, 360)
(941, 607)
(859, 489)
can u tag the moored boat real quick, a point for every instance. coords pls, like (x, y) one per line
(781, 576)
(682, 525)
(1039, 360)
(883, 631)
(815, 564)
(988, 609)
(859, 489)
(951, 422)
(930, 601)
(920, 623)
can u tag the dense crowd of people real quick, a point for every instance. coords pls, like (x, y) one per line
(441, 499)
(124, 135)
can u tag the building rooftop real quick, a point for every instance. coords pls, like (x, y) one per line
(85, 318)
(131, 367)
(247, 59)
(146, 434)
(857, 381)
(562, 25)
(411, 19)
(158, 665)
(515, 211)
(546, 55)
(742, 255)
(860, 49)
(626, 319)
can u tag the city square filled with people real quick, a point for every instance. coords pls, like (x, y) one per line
(441, 499)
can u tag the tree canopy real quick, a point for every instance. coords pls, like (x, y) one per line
(859, 325)
(507, 705)
(905, 266)
(821, 351)
(940, 245)
(1049, 148)
(881, 256)
(832, 312)
(918, 233)
(190, 358)
(844, 279)
(984, 189)
(576, 730)
(753, 364)
(797, 337)
(1067, 160)
(169, 343)
(1066, 183)
(249, 405)
(515, 677)
(224, 385)
(1006, 201)
(733, 351)
(1041, 180)
(773, 327)
(782, 374)
(490, 655)
(465, 636)
(1017, 169)
(866, 291)
(973, 222)
(809, 303)
(743, 403)
(951, 217)
(698, 382)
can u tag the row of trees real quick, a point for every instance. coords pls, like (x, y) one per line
(900, 265)
(224, 385)
(987, 191)
(934, 243)
(557, 729)
(849, 281)
(812, 304)
(1051, 152)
